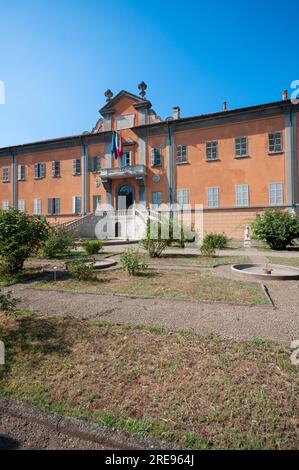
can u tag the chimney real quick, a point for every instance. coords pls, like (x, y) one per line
(224, 106)
(285, 95)
(176, 112)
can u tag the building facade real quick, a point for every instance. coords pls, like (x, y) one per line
(235, 163)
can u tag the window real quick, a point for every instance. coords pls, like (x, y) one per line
(183, 197)
(37, 203)
(76, 205)
(94, 164)
(156, 199)
(55, 169)
(125, 159)
(275, 142)
(181, 154)
(5, 175)
(96, 200)
(39, 170)
(275, 194)
(21, 172)
(156, 157)
(241, 147)
(242, 199)
(5, 205)
(53, 206)
(21, 205)
(213, 198)
(212, 150)
(77, 167)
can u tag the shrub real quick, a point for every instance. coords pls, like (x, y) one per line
(153, 241)
(82, 271)
(208, 248)
(20, 236)
(132, 263)
(58, 243)
(277, 228)
(7, 302)
(92, 247)
(217, 240)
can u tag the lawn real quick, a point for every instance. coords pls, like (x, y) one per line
(286, 261)
(202, 392)
(196, 260)
(188, 285)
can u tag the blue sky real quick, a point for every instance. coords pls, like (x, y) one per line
(57, 58)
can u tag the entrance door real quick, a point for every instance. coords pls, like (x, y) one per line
(125, 197)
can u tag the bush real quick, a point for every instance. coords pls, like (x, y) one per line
(207, 248)
(21, 235)
(58, 243)
(81, 271)
(92, 247)
(153, 242)
(277, 228)
(132, 263)
(217, 240)
(7, 302)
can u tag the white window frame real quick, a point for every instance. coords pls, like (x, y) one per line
(21, 172)
(211, 150)
(76, 167)
(54, 206)
(156, 205)
(213, 197)
(242, 195)
(39, 171)
(56, 169)
(21, 205)
(183, 197)
(5, 205)
(276, 148)
(76, 205)
(5, 175)
(275, 189)
(94, 164)
(37, 206)
(181, 154)
(128, 161)
(239, 146)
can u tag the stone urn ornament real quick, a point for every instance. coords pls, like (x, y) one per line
(247, 237)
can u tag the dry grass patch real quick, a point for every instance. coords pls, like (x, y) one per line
(188, 285)
(287, 261)
(196, 260)
(202, 392)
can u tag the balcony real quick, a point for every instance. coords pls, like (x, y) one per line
(131, 171)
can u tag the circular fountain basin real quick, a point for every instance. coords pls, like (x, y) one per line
(256, 271)
(103, 264)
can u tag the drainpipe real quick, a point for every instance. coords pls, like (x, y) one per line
(171, 164)
(84, 164)
(14, 180)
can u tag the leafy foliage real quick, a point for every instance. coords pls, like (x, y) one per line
(81, 271)
(277, 228)
(7, 302)
(20, 236)
(93, 247)
(57, 243)
(132, 263)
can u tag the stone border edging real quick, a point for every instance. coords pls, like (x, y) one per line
(82, 429)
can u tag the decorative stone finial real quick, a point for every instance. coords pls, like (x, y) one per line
(142, 87)
(108, 95)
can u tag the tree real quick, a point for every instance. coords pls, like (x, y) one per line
(277, 228)
(20, 236)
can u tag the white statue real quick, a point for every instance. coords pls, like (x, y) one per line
(247, 238)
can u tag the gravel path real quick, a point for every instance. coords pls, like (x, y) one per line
(18, 433)
(280, 324)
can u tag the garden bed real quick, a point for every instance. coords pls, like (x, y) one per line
(189, 285)
(202, 392)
